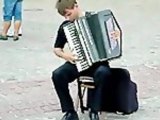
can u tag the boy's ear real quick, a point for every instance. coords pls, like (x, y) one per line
(76, 5)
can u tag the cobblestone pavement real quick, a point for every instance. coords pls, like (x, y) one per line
(26, 91)
(28, 100)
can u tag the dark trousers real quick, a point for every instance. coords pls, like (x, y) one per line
(68, 72)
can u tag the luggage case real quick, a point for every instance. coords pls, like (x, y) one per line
(120, 95)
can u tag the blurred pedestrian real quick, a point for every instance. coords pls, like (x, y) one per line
(11, 9)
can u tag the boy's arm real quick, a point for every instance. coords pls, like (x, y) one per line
(59, 45)
(68, 56)
(59, 52)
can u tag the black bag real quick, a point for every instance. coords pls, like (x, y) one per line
(120, 95)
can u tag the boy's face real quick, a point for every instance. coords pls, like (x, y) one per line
(71, 14)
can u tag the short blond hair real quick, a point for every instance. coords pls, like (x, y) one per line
(61, 5)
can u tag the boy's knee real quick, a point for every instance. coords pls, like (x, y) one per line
(56, 76)
(103, 72)
(101, 75)
(125, 74)
(122, 74)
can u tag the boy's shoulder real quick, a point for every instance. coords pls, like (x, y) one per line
(63, 23)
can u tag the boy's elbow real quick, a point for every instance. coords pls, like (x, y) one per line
(57, 50)
(54, 50)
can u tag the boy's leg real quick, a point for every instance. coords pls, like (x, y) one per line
(61, 77)
(101, 76)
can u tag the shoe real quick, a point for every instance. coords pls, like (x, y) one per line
(70, 116)
(93, 116)
(20, 34)
(15, 38)
(3, 37)
(9, 35)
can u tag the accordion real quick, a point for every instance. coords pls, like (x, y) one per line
(89, 37)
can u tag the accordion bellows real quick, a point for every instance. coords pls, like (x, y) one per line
(89, 37)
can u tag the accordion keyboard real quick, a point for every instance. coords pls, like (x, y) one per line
(76, 46)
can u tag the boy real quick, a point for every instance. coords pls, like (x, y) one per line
(68, 72)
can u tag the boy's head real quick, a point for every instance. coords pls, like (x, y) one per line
(68, 9)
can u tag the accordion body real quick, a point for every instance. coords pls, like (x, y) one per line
(89, 37)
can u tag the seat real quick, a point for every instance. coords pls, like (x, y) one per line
(84, 83)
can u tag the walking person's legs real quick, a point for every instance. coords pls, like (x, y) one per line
(10, 32)
(17, 13)
(7, 17)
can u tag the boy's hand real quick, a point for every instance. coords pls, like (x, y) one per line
(70, 57)
(115, 35)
